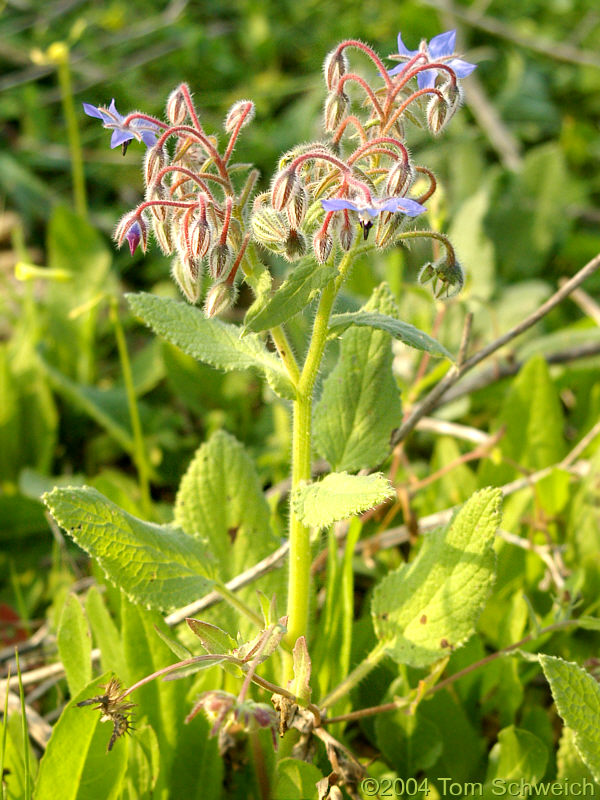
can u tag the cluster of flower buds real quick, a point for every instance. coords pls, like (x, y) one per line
(192, 205)
(364, 174)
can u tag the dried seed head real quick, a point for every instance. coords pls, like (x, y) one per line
(240, 112)
(336, 65)
(176, 107)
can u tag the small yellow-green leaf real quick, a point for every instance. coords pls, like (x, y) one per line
(427, 608)
(339, 496)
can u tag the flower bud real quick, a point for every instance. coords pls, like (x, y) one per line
(219, 298)
(388, 225)
(439, 113)
(336, 107)
(295, 246)
(400, 178)
(242, 111)
(296, 209)
(133, 227)
(157, 193)
(322, 245)
(285, 185)
(154, 161)
(336, 65)
(220, 261)
(186, 274)
(176, 107)
(200, 236)
(162, 233)
(346, 235)
(268, 227)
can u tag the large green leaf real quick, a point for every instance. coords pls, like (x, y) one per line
(296, 780)
(159, 566)
(339, 496)
(360, 404)
(75, 644)
(403, 331)
(577, 698)
(425, 609)
(517, 755)
(294, 294)
(75, 765)
(210, 340)
(220, 501)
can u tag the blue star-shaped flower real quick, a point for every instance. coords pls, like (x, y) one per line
(368, 210)
(440, 49)
(139, 129)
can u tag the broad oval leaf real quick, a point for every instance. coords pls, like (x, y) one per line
(427, 608)
(158, 566)
(339, 496)
(577, 698)
(75, 644)
(209, 340)
(403, 331)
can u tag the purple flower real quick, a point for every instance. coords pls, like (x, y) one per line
(439, 49)
(368, 210)
(140, 129)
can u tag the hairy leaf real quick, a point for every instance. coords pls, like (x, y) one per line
(210, 340)
(425, 609)
(403, 331)
(577, 698)
(360, 404)
(156, 565)
(339, 496)
(75, 644)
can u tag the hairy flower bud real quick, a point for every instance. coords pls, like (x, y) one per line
(186, 274)
(156, 194)
(240, 112)
(439, 113)
(154, 161)
(133, 227)
(220, 261)
(295, 245)
(400, 178)
(219, 298)
(388, 225)
(296, 210)
(176, 107)
(200, 236)
(336, 65)
(346, 235)
(285, 186)
(336, 107)
(162, 233)
(268, 227)
(322, 245)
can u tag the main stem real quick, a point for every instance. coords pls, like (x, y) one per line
(300, 551)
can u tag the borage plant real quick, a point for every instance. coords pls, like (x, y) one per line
(353, 193)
